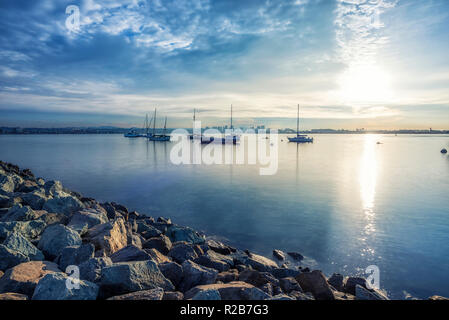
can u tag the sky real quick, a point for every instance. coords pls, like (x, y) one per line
(375, 64)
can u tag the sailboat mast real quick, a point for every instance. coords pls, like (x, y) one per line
(194, 116)
(231, 116)
(154, 123)
(297, 123)
(165, 125)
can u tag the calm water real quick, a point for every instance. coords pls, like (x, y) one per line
(345, 202)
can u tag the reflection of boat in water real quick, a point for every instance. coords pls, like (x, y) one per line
(300, 138)
(132, 134)
(228, 138)
(158, 137)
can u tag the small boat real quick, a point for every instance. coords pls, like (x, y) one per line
(132, 134)
(300, 138)
(193, 135)
(228, 139)
(159, 137)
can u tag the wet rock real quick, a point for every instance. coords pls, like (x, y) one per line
(29, 229)
(220, 247)
(129, 253)
(161, 244)
(24, 277)
(108, 237)
(17, 249)
(195, 274)
(351, 282)
(173, 295)
(76, 255)
(280, 273)
(172, 271)
(13, 296)
(289, 284)
(336, 281)
(316, 283)
(156, 256)
(55, 238)
(236, 290)
(178, 233)
(126, 277)
(54, 287)
(228, 276)
(85, 219)
(211, 294)
(35, 199)
(90, 270)
(181, 252)
(362, 293)
(63, 203)
(19, 213)
(152, 294)
(296, 256)
(212, 259)
(278, 254)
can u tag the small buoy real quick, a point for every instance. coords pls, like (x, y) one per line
(443, 151)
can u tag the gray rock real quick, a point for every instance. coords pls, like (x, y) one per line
(336, 281)
(85, 219)
(177, 233)
(195, 275)
(214, 260)
(257, 278)
(228, 276)
(90, 270)
(289, 284)
(4, 201)
(10, 258)
(278, 254)
(220, 247)
(152, 294)
(19, 213)
(256, 262)
(316, 283)
(362, 293)
(35, 199)
(108, 237)
(63, 203)
(13, 296)
(52, 187)
(173, 295)
(161, 244)
(57, 237)
(129, 253)
(125, 277)
(281, 297)
(211, 294)
(17, 249)
(54, 287)
(146, 230)
(235, 290)
(29, 229)
(6, 184)
(351, 283)
(54, 218)
(172, 271)
(76, 255)
(295, 255)
(182, 252)
(284, 272)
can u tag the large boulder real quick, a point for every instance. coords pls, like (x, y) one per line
(316, 283)
(17, 249)
(52, 187)
(125, 277)
(146, 230)
(129, 253)
(63, 203)
(54, 287)
(156, 256)
(19, 213)
(337, 281)
(152, 294)
(108, 237)
(35, 199)
(178, 233)
(195, 275)
(161, 244)
(235, 290)
(6, 184)
(85, 219)
(75, 255)
(172, 271)
(351, 283)
(289, 284)
(57, 237)
(24, 277)
(255, 261)
(212, 259)
(90, 270)
(182, 252)
(29, 229)
(362, 293)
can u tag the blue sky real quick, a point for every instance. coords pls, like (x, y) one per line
(353, 63)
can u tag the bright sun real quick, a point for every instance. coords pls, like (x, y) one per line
(365, 84)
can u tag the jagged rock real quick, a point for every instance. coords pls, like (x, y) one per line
(336, 281)
(195, 274)
(211, 294)
(257, 278)
(6, 184)
(125, 277)
(301, 296)
(54, 218)
(28, 229)
(90, 270)
(181, 252)
(173, 295)
(152, 294)
(129, 253)
(63, 203)
(75, 255)
(108, 237)
(316, 283)
(177, 233)
(54, 287)
(296, 256)
(55, 238)
(28, 186)
(289, 284)
(228, 276)
(85, 219)
(19, 213)
(156, 256)
(212, 259)
(17, 249)
(151, 232)
(278, 254)
(235, 290)
(12, 296)
(256, 262)
(438, 298)
(220, 247)
(35, 199)
(161, 244)
(280, 273)
(351, 283)
(362, 293)
(24, 277)
(172, 271)
(110, 211)
(281, 297)
(52, 187)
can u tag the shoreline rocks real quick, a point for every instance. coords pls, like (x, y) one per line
(46, 230)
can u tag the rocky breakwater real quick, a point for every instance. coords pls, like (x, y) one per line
(51, 236)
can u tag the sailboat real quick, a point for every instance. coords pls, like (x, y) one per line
(159, 137)
(228, 139)
(193, 135)
(300, 138)
(133, 133)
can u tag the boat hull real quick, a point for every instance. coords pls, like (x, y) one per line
(301, 139)
(159, 138)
